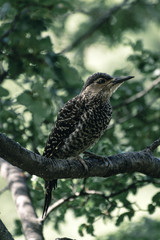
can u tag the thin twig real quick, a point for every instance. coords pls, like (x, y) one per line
(154, 145)
(64, 238)
(126, 118)
(138, 95)
(84, 193)
(60, 202)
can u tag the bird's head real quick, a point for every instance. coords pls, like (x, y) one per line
(103, 84)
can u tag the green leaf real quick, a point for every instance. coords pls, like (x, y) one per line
(81, 229)
(130, 214)
(134, 190)
(90, 229)
(138, 45)
(112, 207)
(3, 92)
(156, 199)
(25, 98)
(151, 208)
(90, 219)
(17, 228)
(120, 219)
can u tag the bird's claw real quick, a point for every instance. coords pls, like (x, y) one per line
(84, 164)
(106, 161)
(90, 155)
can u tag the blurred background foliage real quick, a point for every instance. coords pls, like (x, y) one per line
(47, 49)
(142, 230)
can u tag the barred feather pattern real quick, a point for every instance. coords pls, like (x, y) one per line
(80, 123)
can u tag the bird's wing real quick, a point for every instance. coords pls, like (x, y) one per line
(67, 120)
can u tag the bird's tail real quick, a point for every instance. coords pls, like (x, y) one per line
(49, 185)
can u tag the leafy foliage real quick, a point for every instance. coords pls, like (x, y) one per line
(143, 229)
(37, 78)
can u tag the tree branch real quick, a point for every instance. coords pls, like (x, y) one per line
(138, 95)
(131, 116)
(31, 225)
(96, 25)
(4, 234)
(142, 161)
(154, 145)
(64, 238)
(84, 192)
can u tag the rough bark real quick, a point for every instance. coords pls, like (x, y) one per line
(102, 166)
(32, 227)
(142, 161)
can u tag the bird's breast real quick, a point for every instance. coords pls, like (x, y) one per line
(97, 119)
(93, 122)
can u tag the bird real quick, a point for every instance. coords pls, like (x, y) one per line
(80, 123)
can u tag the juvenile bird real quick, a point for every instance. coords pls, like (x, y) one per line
(81, 122)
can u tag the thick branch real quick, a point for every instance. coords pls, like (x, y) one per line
(142, 161)
(31, 225)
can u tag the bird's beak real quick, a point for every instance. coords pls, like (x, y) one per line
(118, 80)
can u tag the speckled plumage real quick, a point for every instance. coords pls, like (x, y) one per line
(80, 123)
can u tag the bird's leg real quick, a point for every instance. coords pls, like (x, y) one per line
(81, 160)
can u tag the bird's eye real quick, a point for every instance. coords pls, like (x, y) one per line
(101, 81)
